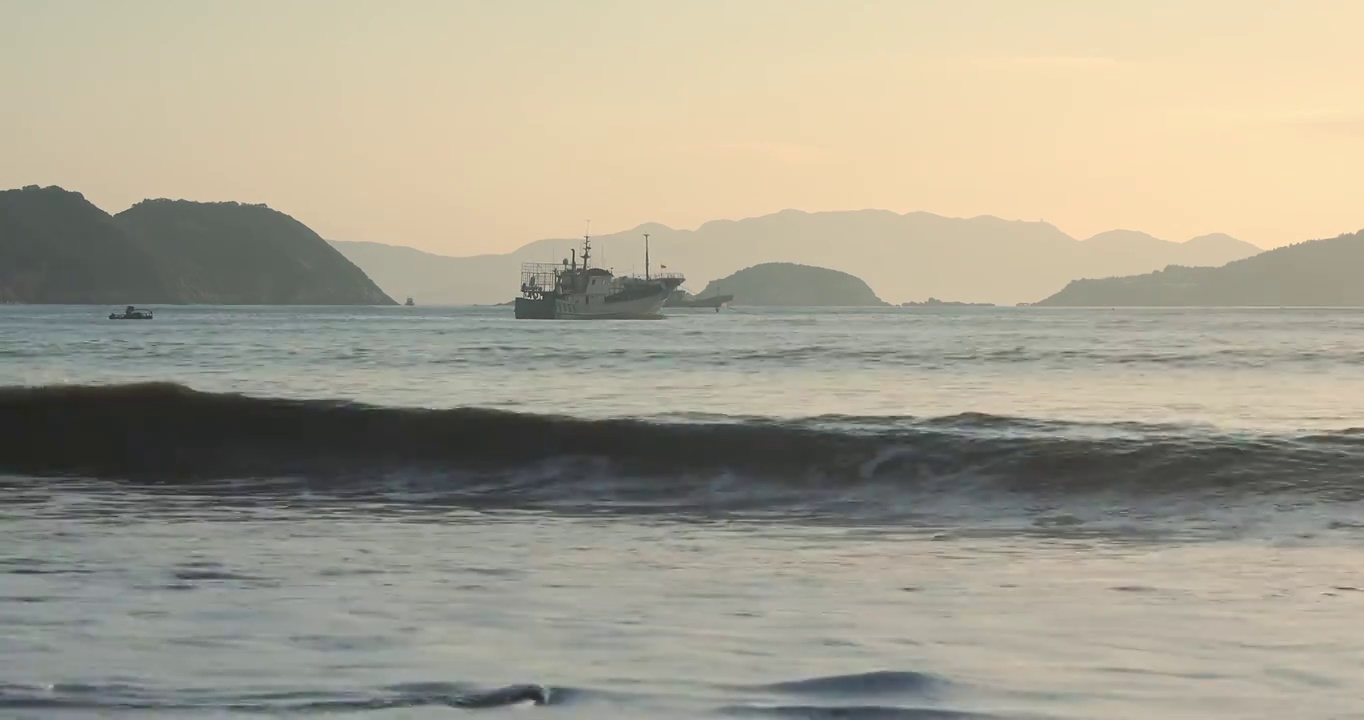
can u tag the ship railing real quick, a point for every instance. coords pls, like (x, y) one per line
(540, 268)
(658, 276)
(539, 277)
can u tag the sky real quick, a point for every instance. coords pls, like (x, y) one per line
(465, 127)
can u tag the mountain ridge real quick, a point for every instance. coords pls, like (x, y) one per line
(1312, 273)
(901, 256)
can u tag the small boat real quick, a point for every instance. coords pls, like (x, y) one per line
(409, 302)
(132, 313)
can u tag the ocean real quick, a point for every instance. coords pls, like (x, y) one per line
(925, 514)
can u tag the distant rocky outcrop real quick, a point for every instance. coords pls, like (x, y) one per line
(57, 247)
(901, 256)
(792, 285)
(1317, 273)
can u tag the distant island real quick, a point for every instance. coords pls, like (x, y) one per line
(902, 257)
(934, 302)
(792, 285)
(57, 247)
(1316, 273)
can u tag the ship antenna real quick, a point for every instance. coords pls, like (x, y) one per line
(587, 244)
(646, 256)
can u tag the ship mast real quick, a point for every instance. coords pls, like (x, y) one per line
(587, 245)
(646, 256)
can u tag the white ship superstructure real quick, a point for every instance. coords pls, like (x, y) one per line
(574, 291)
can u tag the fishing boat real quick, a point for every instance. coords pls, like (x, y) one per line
(132, 313)
(574, 290)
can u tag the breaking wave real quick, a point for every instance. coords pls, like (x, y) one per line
(126, 698)
(166, 434)
(840, 696)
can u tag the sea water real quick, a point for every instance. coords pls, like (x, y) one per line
(898, 513)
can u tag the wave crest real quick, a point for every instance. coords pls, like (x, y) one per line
(879, 682)
(170, 434)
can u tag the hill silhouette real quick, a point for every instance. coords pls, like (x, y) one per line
(233, 254)
(57, 247)
(902, 257)
(1316, 273)
(792, 285)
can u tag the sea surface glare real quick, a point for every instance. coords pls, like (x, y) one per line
(910, 514)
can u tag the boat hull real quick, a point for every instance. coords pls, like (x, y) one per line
(534, 308)
(596, 307)
(714, 301)
(579, 307)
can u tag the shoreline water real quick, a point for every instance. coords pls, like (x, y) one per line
(787, 514)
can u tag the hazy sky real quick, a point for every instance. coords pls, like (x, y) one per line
(463, 127)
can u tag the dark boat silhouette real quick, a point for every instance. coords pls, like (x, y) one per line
(132, 313)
